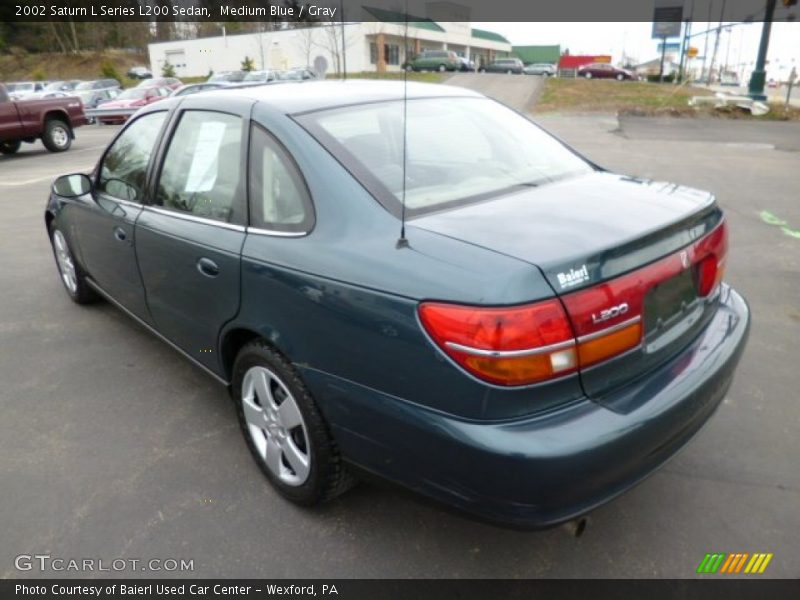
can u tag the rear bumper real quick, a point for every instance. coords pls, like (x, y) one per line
(541, 470)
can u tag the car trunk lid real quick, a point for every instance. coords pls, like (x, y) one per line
(617, 250)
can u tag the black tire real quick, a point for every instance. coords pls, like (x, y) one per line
(588, 75)
(10, 147)
(442, 68)
(328, 476)
(57, 135)
(620, 76)
(82, 293)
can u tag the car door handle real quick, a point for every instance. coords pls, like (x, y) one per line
(120, 234)
(207, 267)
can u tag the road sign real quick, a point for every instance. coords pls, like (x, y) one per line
(667, 21)
(670, 47)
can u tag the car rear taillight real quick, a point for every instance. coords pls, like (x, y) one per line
(711, 252)
(506, 346)
(521, 345)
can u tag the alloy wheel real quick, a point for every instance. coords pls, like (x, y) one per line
(66, 265)
(276, 426)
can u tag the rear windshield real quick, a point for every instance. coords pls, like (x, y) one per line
(459, 150)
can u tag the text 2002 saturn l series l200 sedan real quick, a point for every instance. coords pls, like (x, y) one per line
(545, 336)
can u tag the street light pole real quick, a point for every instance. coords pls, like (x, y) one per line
(759, 76)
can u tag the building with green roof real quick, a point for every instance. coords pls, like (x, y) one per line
(537, 54)
(383, 41)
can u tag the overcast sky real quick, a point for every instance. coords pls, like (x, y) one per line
(634, 39)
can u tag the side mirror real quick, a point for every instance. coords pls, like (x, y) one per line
(72, 186)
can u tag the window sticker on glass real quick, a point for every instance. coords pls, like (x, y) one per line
(203, 170)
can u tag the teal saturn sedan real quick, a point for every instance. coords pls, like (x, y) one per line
(418, 284)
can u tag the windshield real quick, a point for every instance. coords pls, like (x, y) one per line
(55, 86)
(458, 150)
(256, 76)
(86, 85)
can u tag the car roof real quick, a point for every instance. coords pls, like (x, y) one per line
(293, 98)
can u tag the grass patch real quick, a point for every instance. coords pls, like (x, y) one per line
(423, 76)
(604, 95)
(53, 66)
(641, 98)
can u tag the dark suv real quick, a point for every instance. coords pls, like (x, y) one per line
(504, 65)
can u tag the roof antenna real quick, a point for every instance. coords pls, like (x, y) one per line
(402, 242)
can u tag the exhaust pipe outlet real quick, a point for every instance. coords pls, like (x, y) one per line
(576, 527)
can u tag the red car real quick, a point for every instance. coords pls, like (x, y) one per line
(173, 83)
(131, 98)
(605, 71)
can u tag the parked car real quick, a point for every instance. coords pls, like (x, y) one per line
(98, 84)
(55, 89)
(131, 98)
(194, 88)
(605, 71)
(504, 65)
(729, 78)
(140, 72)
(62, 86)
(173, 83)
(466, 65)
(228, 77)
(544, 69)
(259, 77)
(295, 75)
(434, 60)
(94, 98)
(52, 120)
(543, 336)
(23, 89)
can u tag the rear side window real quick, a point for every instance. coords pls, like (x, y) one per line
(124, 168)
(202, 171)
(279, 199)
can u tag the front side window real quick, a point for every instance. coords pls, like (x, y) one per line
(124, 171)
(279, 199)
(458, 150)
(202, 171)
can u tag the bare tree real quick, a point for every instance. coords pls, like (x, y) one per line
(306, 42)
(332, 41)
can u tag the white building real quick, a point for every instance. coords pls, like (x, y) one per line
(363, 42)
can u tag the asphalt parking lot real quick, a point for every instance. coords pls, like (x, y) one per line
(113, 446)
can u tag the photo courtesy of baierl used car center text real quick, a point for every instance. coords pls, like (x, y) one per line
(392, 298)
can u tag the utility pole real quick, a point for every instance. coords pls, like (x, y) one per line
(759, 76)
(728, 50)
(703, 74)
(687, 34)
(716, 42)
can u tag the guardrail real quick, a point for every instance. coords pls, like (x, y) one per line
(98, 113)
